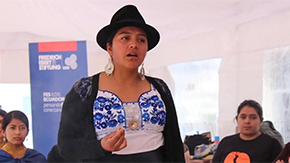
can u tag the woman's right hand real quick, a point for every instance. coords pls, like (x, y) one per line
(114, 141)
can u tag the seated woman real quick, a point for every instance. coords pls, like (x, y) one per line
(250, 145)
(284, 156)
(2, 139)
(15, 129)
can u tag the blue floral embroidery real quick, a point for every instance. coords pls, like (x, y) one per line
(106, 112)
(98, 116)
(162, 116)
(121, 118)
(154, 120)
(112, 123)
(146, 117)
(109, 111)
(117, 106)
(158, 114)
(103, 125)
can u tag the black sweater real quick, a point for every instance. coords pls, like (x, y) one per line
(77, 137)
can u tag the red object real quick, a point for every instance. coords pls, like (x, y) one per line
(57, 46)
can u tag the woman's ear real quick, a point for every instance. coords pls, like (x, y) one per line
(109, 49)
(2, 132)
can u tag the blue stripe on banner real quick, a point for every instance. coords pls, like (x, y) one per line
(52, 74)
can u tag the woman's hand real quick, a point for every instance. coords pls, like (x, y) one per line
(114, 141)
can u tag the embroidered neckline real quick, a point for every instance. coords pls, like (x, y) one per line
(141, 95)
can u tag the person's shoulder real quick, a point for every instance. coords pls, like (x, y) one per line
(268, 138)
(230, 138)
(157, 82)
(151, 78)
(32, 153)
(83, 82)
(2, 151)
(83, 87)
(30, 150)
(5, 157)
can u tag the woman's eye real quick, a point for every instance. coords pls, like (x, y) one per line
(142, 40)
(254, 117)
(125, 38)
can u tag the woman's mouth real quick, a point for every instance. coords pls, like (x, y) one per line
(132, 55)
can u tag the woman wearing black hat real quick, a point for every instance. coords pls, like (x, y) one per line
(121, 115)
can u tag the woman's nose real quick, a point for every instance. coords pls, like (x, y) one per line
(17, 131)
(133, 45)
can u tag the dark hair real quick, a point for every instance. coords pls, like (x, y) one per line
(111, 36)
(14, 115)
(253, 104)
(2, 113)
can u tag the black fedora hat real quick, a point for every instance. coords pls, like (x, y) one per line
(127, 16)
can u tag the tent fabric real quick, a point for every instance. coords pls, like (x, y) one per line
(238, 31)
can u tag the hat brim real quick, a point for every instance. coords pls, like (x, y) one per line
(152, 34)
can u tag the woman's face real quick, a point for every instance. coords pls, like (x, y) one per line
(249, 122)
(129, 47)
(16, 132)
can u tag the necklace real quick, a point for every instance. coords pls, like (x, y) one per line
(2, 144)
(132, 110)
(133, 125)
(15, 152)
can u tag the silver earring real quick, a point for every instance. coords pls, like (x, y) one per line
(142, 72)
(109, 67)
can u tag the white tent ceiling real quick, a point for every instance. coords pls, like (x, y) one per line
(81, 19)
(236, 30)
(178, 21)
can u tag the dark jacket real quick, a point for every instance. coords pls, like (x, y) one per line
(54, 156)
(77, 136)
(268, 128)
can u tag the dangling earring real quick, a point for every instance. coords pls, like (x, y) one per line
(109, 67)
(142, 72)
